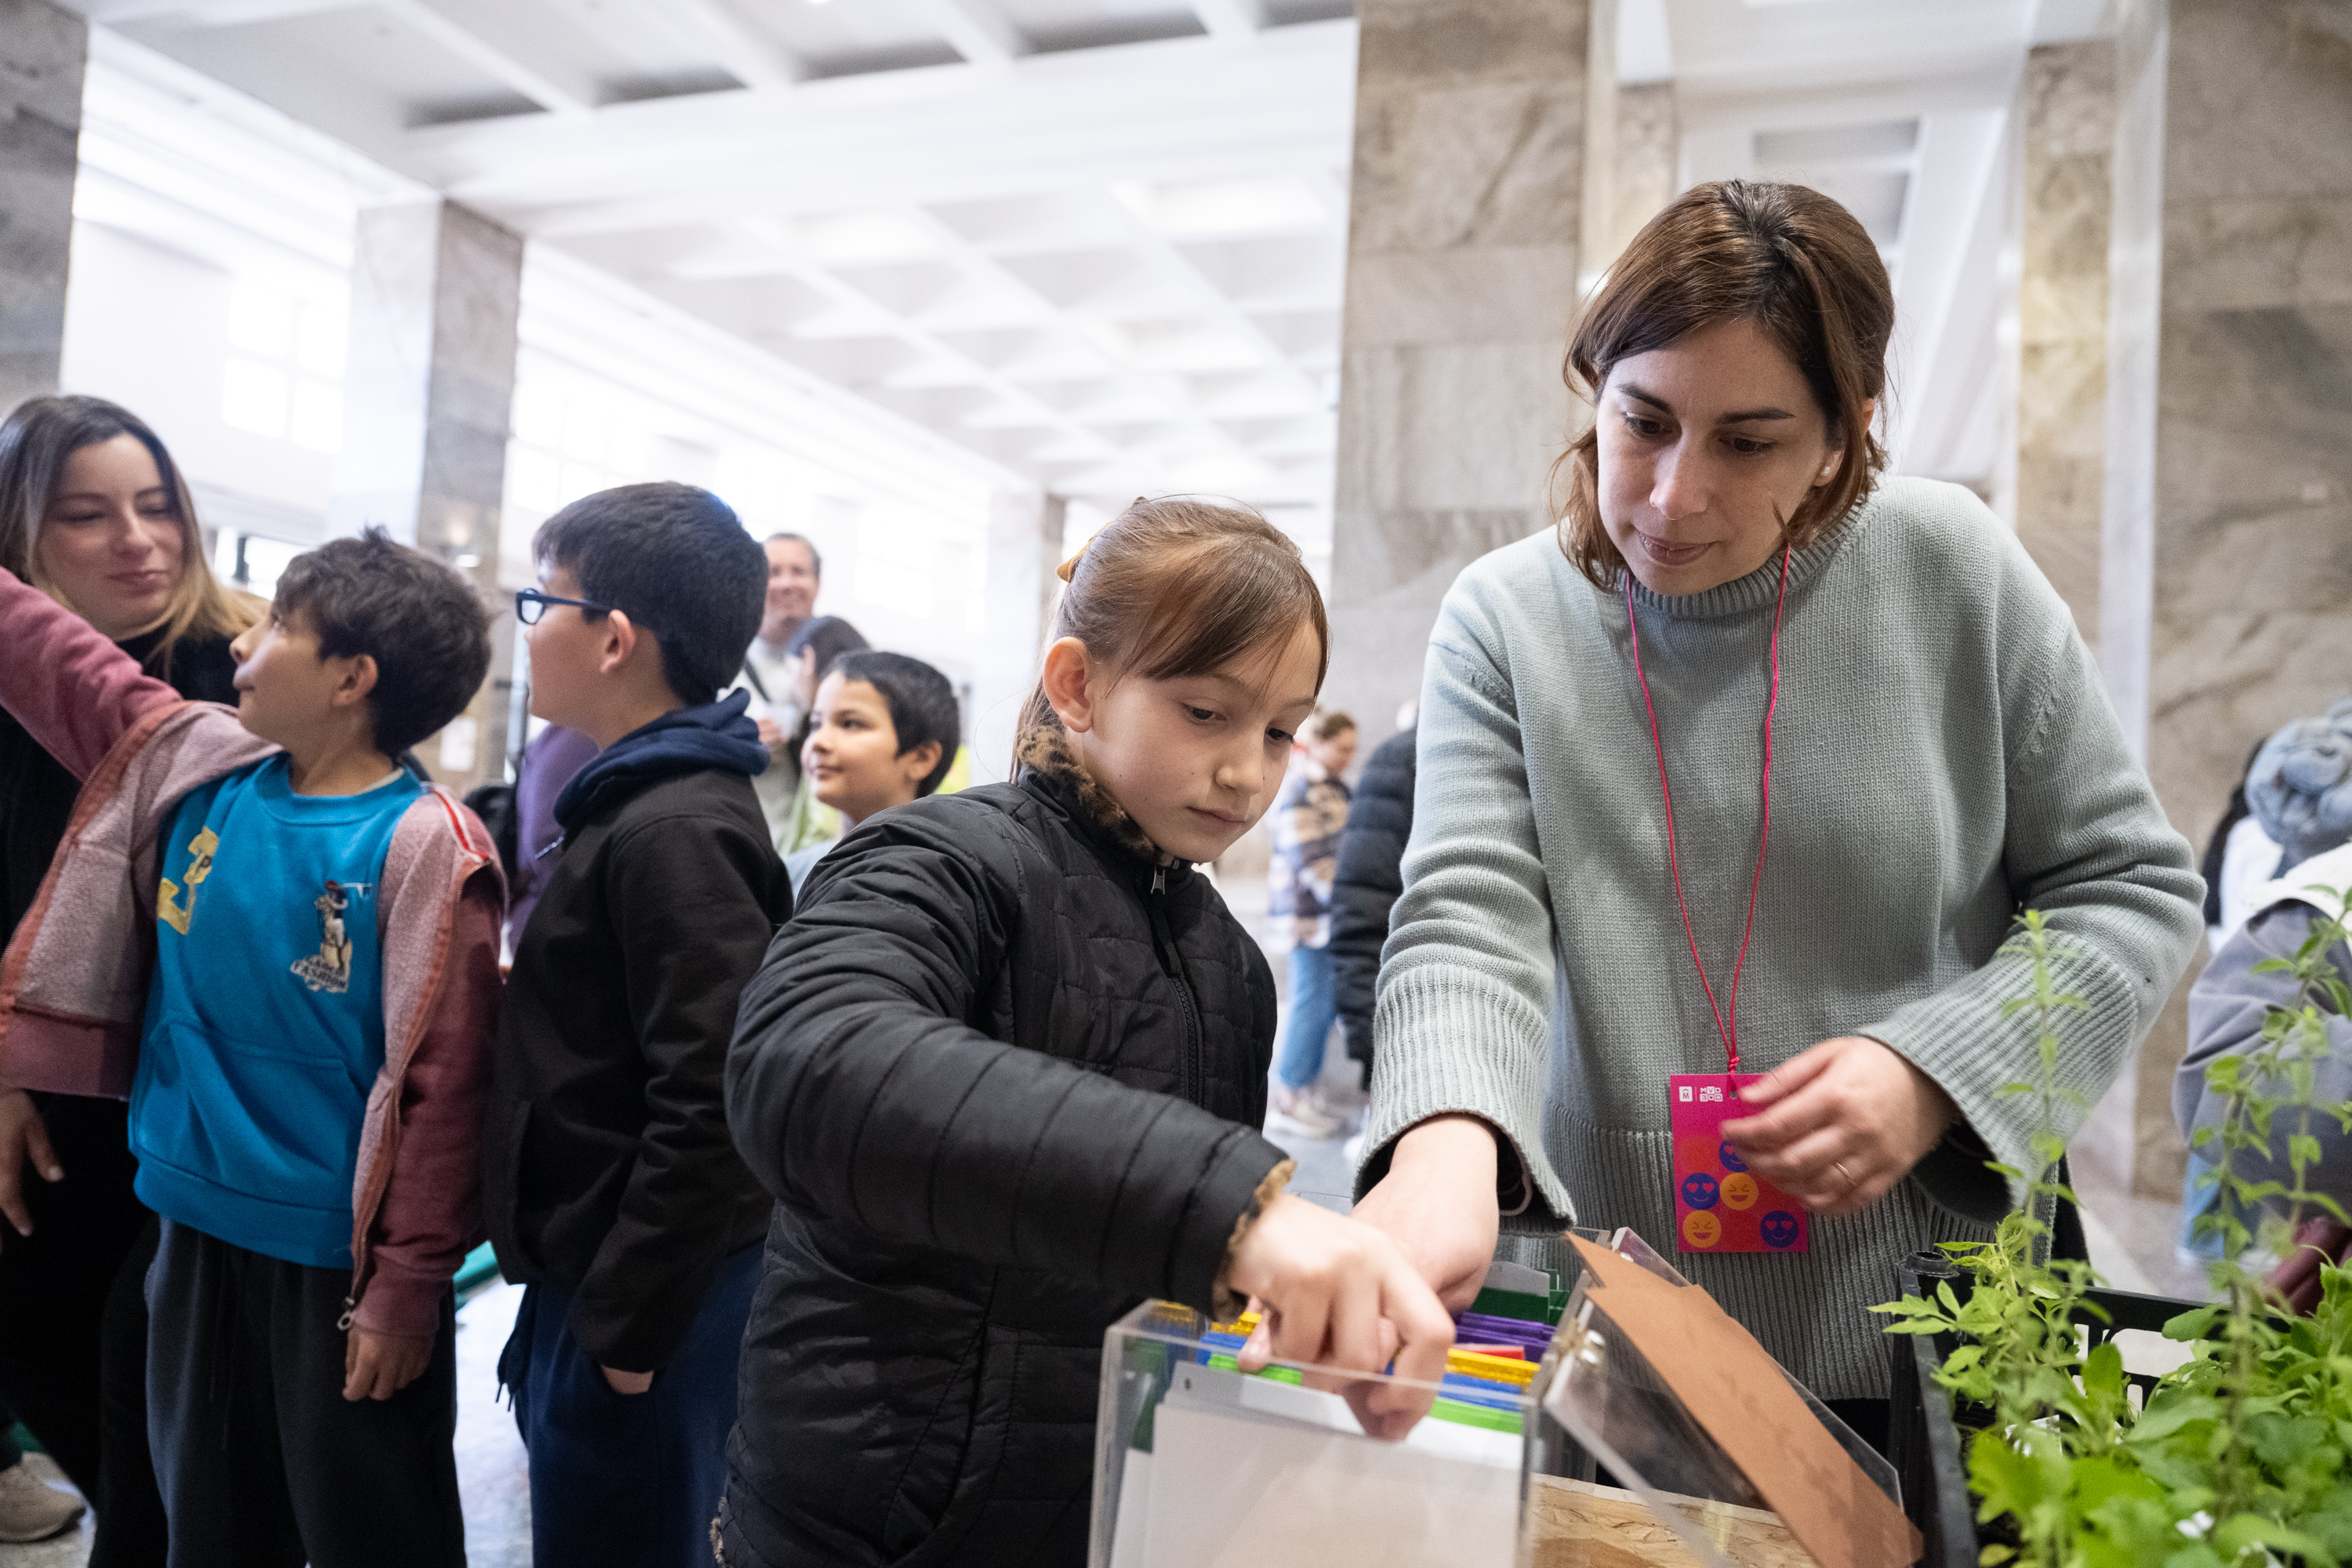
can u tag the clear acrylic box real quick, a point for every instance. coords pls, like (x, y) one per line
(1593, 1461)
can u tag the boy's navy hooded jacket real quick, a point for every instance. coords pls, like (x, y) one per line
(606, 1163)
(1004, 1070)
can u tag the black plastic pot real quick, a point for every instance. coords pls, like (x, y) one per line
(1924, 1437)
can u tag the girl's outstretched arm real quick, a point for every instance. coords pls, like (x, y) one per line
(856, 1089)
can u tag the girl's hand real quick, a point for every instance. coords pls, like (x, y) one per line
(1438, 1203)
(1337, 1293)
(24, 1139)
(1839, 1124)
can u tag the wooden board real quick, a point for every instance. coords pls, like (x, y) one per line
(1739, 1397)
(1575, 1524)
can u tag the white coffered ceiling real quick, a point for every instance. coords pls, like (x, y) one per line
(1098, 243)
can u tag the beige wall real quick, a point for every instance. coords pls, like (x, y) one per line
(2227, 550)
(2068, 100)
(1461, 280)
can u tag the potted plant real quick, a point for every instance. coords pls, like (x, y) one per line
(2244, 1453)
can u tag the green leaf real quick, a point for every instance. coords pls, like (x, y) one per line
(2245, 1530)
(2193, 1324)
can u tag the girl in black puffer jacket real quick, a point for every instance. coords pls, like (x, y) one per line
(1005, 1069)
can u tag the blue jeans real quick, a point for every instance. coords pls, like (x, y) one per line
(1314, 1008)
(631, 1481)
(2200, 1194)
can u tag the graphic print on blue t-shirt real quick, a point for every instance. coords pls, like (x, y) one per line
(264, 1031)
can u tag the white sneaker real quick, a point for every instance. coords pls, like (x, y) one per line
(1303, 1111)
(31, 1509)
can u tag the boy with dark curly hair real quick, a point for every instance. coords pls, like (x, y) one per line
(283, 946)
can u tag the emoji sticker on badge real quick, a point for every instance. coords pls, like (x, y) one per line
(1731, 1160)
(1699, 1190)
(1739, 1190)
(1701, 1228)
(1780, 1229)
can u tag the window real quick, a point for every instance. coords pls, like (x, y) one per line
(284, 375)
(253, 561)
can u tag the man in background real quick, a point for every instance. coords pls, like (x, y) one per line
(795, 571)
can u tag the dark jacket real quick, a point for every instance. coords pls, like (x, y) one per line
(1370, 878)
(36, 793)
(607, 1163)
(1005, 1071)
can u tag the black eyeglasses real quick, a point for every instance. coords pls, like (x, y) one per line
(531, 604)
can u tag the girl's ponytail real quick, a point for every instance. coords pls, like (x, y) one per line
(1175, 587)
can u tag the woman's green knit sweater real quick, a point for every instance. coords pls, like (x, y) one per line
(1944, 756)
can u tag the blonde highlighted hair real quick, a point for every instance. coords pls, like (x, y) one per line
(37, 436)
(1178, 586)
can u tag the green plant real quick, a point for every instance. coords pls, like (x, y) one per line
(2243, 1454)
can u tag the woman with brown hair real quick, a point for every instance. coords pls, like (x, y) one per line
(94, 511)
(1750, 768)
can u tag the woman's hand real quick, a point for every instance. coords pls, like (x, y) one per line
(24, 1139)
(1337, 1293)
(1438, 1203)
(377, 1366)
(1841, 1123)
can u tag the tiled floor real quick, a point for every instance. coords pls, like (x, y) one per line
(489, 1455)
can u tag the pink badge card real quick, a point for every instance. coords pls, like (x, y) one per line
(1720, 1205)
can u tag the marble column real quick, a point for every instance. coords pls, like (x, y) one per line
(1024, 547)
(435, 294)
(2068, 97)
(1644, 164)
(1462, 249)
(42, 50)
(2227, 579)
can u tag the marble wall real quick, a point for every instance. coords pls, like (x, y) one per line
(2068, 98)
(435, 297)
(2229, 518)
(1644, 164)
(1461, 280)
(42, 50)
(1024, 547)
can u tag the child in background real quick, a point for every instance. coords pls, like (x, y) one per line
(289, 958)
(883, 732)
(812, 651)
(1004, 1071)
(614, 1192)
(1309, 813)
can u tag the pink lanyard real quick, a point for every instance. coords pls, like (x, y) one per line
(1727, 1021)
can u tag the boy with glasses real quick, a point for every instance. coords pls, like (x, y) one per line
(615, 1191)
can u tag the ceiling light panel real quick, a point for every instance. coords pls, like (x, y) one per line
(1058, 24)
(1029, 223)
(1213, 208)
(847, 239)
(853, 37)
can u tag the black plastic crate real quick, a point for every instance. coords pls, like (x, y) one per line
(1924, 1438)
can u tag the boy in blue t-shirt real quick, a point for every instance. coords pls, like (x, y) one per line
(319, 930)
